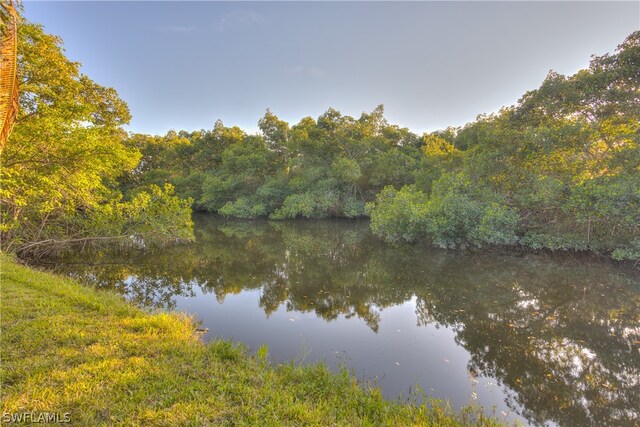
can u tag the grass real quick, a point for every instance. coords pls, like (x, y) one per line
(68, 348)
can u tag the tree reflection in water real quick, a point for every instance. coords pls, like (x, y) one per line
(562, 335)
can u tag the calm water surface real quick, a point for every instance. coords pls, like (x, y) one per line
(533, 339)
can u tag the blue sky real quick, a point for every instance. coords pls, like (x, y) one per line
(182, 65)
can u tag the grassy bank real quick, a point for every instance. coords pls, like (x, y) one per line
(68, 348)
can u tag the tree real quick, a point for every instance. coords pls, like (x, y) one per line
(65, 156)
(275, 131)
(559, 170)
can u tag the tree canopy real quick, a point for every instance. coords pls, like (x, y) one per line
(61, 165)
(558, 170)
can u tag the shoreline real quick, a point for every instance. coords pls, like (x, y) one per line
(518, 250)
(71, 349)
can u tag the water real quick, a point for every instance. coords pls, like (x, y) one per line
(530, 338)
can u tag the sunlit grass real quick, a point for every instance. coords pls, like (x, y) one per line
(71, 349)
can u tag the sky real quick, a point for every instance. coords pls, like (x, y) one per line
(183, 65)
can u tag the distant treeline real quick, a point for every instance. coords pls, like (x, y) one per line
(558, 170)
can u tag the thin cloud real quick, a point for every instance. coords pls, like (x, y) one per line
(239, 19)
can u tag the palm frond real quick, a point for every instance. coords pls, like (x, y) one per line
(8, 69)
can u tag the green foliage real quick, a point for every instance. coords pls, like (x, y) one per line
(628, 252)
(560, 170)
(345, 171)
(353, 207)
(439, 157)
(454, 215)
(273, 191)
(243, 170)
(275, 131)
(328, 167)
(243, 207)
(309, 205)
(393, 167)
(153, 215)
(399, 214)
(498, 225)
(262, 353)
(66, 159)
(189, 186)
(460, 213)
